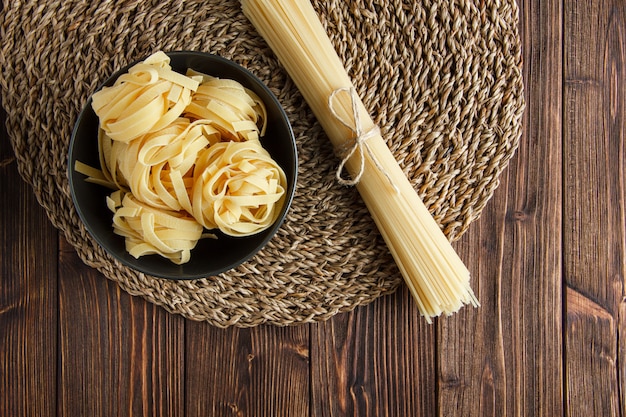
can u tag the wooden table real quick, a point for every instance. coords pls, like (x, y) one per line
(547, 258)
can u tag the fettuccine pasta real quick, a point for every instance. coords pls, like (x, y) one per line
(147, 98)
(237, 187)
(234, 109)
(183, 154)
(147, 230)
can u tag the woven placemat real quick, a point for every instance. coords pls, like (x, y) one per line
(442, 79)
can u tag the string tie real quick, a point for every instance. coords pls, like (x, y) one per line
(360, 141)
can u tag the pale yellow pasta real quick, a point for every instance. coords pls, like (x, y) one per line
(183, 153)
(235, 110)
(177, 145)
(94, 175)
(147, 98)
(238, 188)
(162, 164)
(433, 271)
(148, 230)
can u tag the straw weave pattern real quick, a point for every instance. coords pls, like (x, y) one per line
(442, 79)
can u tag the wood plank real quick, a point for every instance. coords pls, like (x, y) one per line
(378, 360)
(262, 371)
(118, 355)
(621, 352)
(505, 358)
(592, 385)
(595, 252)
(28, 296)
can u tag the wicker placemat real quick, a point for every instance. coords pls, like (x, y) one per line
(441, 79)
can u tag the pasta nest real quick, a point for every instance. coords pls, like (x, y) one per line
(237, 188)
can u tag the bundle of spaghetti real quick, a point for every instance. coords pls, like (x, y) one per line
(433, 271)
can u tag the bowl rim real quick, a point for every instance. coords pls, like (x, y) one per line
(136, 264)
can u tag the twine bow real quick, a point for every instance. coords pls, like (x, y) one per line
(360, 140)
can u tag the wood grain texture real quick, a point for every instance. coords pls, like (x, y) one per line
(28, 297)
(263, 371)
(547, 259)
(118, 355)
(506, 357)
(378, 360)
(594, 249)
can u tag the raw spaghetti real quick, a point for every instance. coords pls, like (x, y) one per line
(434, 273)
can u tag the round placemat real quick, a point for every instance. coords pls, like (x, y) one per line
(442, 79)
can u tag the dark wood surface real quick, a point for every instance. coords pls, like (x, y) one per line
(547, 259)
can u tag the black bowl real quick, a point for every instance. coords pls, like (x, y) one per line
(210, 257)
